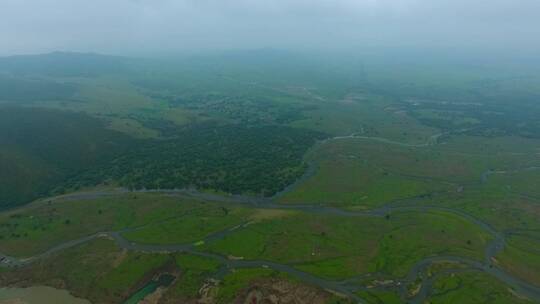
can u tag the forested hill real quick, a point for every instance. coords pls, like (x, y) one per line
(260, 160)
(39, 148)
(45, 151)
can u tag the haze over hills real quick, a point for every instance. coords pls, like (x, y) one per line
(283, 151)
(63, 64)
(69, 80)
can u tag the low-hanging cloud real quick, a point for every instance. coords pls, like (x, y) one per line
(167, 26)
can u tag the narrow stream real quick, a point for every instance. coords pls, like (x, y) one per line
(347, 287)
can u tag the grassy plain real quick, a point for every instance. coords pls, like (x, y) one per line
(367, 114)
(521, 257)
(192, 226)
(472, 287)
(365, 173)
(240, 278)
(337, 247)
(377, 297)
(40, 226)
(194, 271)
(503, 211)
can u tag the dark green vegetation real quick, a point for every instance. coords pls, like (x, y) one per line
(40, 148)
(207, 141)
(403, 183)
(233, 159)
(45, 150)
(30, 90)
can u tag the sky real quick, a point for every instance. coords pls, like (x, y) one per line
(139, 27)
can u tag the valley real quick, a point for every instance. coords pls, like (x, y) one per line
(249, 183)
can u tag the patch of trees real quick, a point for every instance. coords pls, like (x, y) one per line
(234, 159)
(245, 109)
(47, 152)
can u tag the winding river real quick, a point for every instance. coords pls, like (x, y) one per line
(345, 287)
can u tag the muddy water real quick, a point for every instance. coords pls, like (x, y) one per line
(38, 295)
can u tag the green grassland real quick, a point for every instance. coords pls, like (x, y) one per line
(114, 100)
(366, 173)
(501, 210)
(43, 225)
(506, 200)
(366, 114)
(357, 173)
(377, 296)
(336, 247)
(524, 182)
(105, 95)
(327, 246)
(194, 272)
(237, 280)
(472, 287)
(192, 227)
(521, 257)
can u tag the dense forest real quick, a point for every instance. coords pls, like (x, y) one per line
(233, 159)
(45, 151)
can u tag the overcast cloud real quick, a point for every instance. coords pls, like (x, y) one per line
(167, 26)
